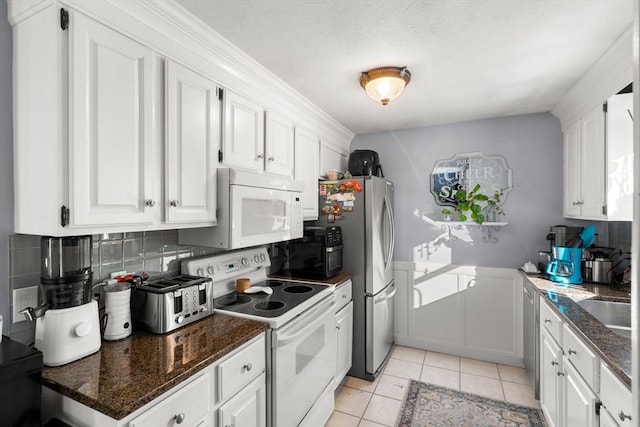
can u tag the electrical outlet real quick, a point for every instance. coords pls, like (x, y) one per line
(23, 298)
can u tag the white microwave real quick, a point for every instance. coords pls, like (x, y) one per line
(253, 209)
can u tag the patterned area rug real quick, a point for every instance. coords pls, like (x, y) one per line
(432, 405)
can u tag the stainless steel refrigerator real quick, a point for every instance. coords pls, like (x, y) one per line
(363, 208)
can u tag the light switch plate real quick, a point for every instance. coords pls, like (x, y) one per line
(23, 298)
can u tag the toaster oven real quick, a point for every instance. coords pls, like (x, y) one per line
(318, 254)
(160, 306)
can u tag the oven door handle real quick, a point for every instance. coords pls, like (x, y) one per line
(304, 325)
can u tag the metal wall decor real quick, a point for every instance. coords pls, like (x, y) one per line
(464, 171)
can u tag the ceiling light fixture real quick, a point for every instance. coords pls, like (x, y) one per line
(385, 84)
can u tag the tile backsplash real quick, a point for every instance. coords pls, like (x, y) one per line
(155, 252)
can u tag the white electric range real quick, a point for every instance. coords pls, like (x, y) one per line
(301, 338)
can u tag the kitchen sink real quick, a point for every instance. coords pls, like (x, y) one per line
(615, 315)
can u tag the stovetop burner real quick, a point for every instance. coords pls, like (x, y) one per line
(285, 296)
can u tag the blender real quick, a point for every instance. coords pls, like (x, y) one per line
(67, 326)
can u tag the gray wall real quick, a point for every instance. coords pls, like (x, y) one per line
(532, 147)
(6, 162)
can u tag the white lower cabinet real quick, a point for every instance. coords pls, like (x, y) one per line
(616, 399)
(550, 383)
(579, 402)
(247, 408)
(231, 392)
(188, 406)
(576, 387)
(344, 329)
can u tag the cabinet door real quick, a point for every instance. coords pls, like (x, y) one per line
(279, 144)
(572, 195)
(111, 126)
(620, 157)
(192, 143)
(606, 420)
(306, 170)
(592, 165)
(550, 398)
(247, 408)
(344, 326)
(579, 401)
(243, 132)
(331, 159)
(492, 311)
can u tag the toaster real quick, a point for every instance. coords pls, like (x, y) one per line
(164, 305)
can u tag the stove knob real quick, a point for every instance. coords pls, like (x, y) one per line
(203, 309)
(262, 257)
(210, 270)
(245, 262)
(256, 258)
(179, 319)
(200, 272)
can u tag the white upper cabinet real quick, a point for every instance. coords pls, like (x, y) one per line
(256, 139)
(572, 170)
(620, 157)
(243, 132)
(111, 85)
(331, 158)
(192, 144)
(307, 153)
(118, 125)
(279, 157)
(598, 162)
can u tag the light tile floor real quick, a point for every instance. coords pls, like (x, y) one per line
(360, 403)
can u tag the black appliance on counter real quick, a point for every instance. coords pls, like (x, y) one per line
(318, 254)
(365, 163)
(20, 384)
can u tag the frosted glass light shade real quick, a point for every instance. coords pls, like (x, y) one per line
(386, 83)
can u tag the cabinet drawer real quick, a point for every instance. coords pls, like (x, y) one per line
(188, 406)
(343, 295)
(585, 361)
(239, 370)
(550, 321)
(616, 397)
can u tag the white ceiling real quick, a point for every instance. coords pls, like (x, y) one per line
(470, 59)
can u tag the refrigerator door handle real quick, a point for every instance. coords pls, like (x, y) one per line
(392, 239)
(387, 297)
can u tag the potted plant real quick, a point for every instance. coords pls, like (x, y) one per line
(475, 206)
(494, 206)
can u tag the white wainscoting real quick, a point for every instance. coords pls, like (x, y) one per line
(467, 311)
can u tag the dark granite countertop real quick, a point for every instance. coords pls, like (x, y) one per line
(614, 350)
(335, 280)
(125, 375)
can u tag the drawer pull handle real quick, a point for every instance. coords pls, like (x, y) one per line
(248, 367)
(572, 351)
(271, 159)
(547, 321)
(561, 374)
(174, 203)
(179, 418)
(150, 203)
(554, 363)
(338, 327)
(623, 416)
